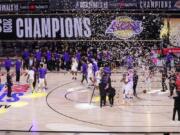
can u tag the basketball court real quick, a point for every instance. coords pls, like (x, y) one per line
(69, 105)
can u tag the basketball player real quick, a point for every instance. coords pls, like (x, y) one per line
(129, 85)
(74, 68)
(78, 57)
(57, 60)
(30, 79)
(95, 66)
(135, 81)
(98, 76)
(124, 81)
(176, 107)
(164, 77)
(31, 61)
(148, 78)
(66, 58)
(111, 94)
(25, 57)
(172, 82)
(42, 78)
(84, 72)
(35, 77)
(9, 84)
(48, 60)
(38, 55)
(7, 64)
(103, 87)
(18, 69)
(90, 75)
(1, 74)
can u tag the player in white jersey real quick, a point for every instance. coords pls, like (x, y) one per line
(90, 75)
(74, 68)
(30, 78)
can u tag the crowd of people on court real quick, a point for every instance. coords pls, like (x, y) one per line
(35, 74)
(95, 65)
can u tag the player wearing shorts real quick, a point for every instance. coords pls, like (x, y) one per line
(42, 78)
(30, 79)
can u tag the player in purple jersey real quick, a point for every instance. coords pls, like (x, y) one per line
(42, 78)
(84, 72)
(18, 65)
(25, 57)
(48, 60)
(7, 64)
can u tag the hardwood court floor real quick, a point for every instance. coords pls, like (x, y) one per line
(66, 107)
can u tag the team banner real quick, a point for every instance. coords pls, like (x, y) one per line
(78, 27)
(115, 4)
